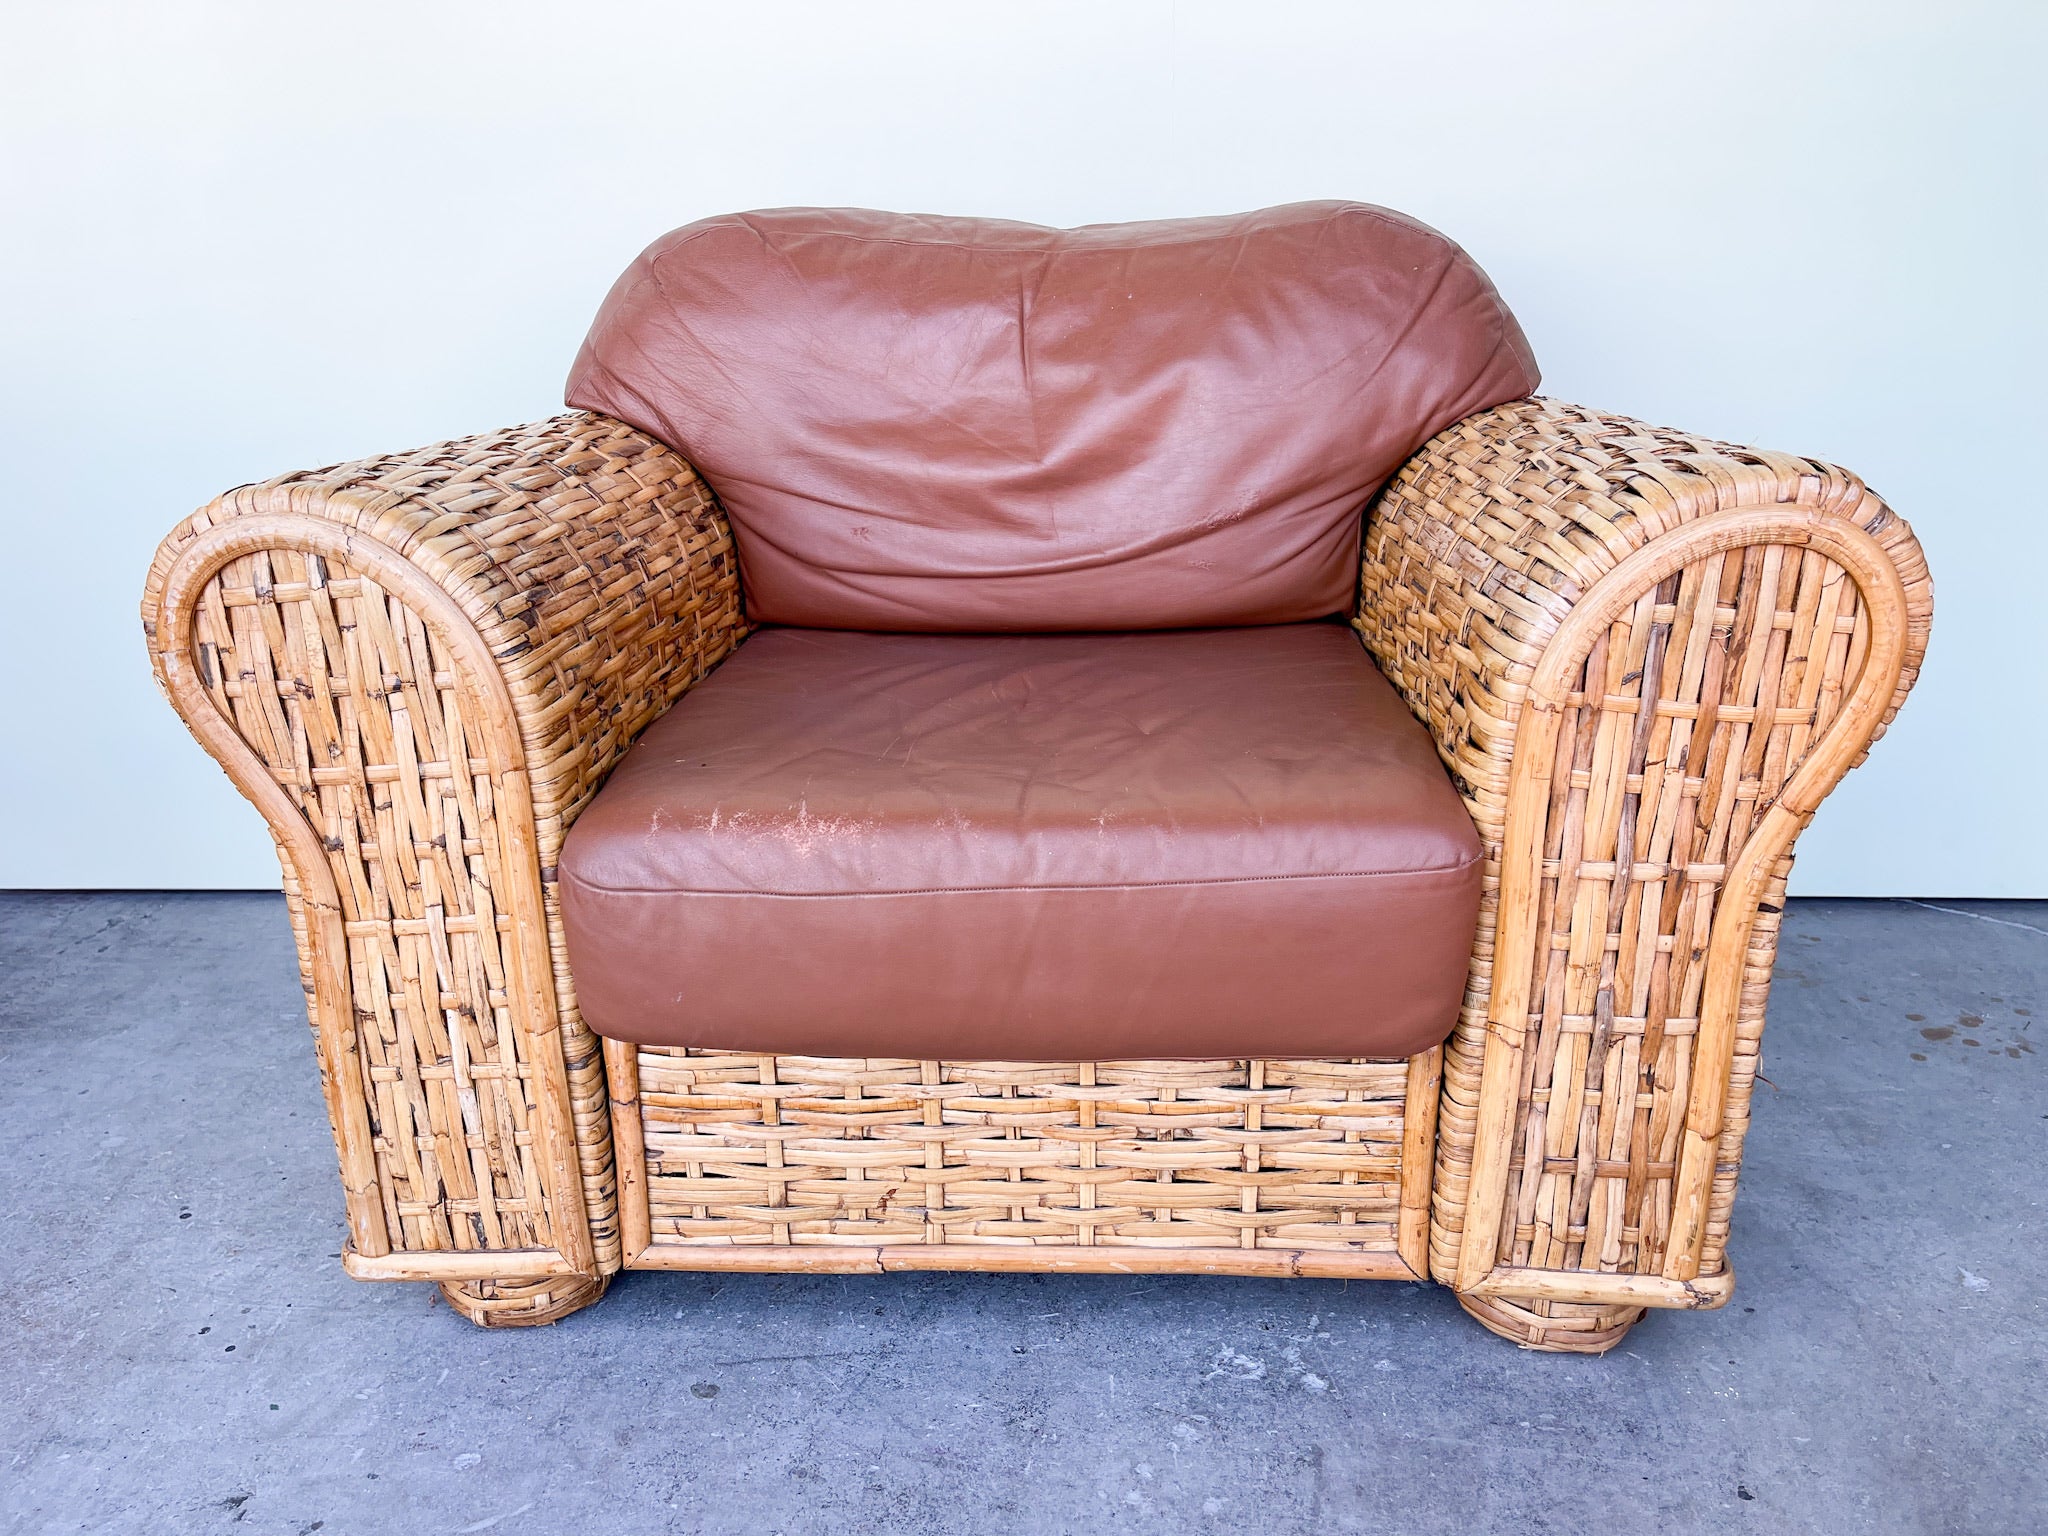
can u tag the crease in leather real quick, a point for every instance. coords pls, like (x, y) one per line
(982, 890)
(1096, 560)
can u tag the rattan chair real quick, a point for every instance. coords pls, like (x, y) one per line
(1642, 657)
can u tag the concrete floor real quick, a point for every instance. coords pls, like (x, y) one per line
(181, 1352)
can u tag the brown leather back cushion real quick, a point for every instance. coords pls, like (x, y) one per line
(946, 424)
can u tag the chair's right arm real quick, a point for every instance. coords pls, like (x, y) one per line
(420, 668)
(1645, 657)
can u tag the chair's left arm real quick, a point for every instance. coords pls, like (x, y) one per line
(420, 668)
(1645, 657)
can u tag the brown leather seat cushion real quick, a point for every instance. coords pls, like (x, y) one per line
(1204, 844)
(940, 424)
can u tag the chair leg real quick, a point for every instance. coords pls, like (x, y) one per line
(1556, 1327)
(522, 1303)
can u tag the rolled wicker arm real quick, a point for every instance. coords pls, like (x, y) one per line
(420, 668)
(1645, 657)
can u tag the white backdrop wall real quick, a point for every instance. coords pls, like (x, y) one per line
(243, 238)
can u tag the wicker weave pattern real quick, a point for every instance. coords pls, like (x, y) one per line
(379, 756)
(598, 575)
(745, 1150)
(1474, 560)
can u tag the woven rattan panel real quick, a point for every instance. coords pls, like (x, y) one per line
(367, 730)
(1740, 658)
(592, 572)
(1476, 556)
(794, 1151)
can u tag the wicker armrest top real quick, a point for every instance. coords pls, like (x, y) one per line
(1490, 536)
(596, 566)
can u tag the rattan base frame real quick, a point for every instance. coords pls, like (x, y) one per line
(1261, 1168)
(736, 1161)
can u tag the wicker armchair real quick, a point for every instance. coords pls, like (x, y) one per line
(1643, 658)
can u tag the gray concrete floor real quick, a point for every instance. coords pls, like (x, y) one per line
(181, 1352)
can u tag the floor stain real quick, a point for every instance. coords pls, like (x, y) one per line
(2013, 1047)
